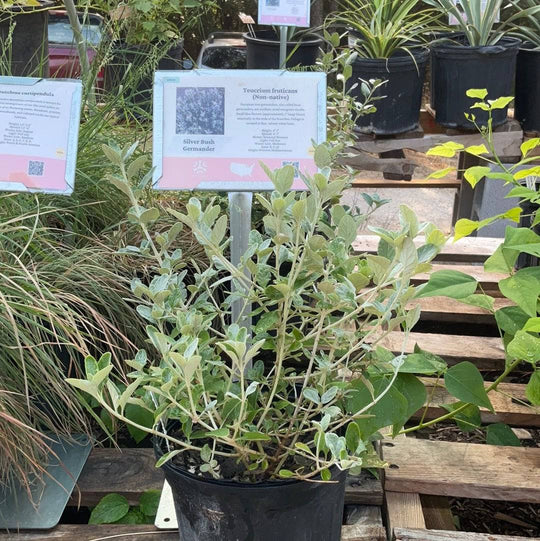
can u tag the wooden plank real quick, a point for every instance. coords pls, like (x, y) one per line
(488, 281)
(414, 183)
(469, 249)
(402, 534)
(506, 143)
(487, 353)
(368, 515)
(360, 532)
(437, 512)
(509, 403)
(89, 532)
(403, 510)
(363, 489)
(120, 532)
(464, 470)
(131, 472)
(447, 310)
(128, 472)
(365, 162)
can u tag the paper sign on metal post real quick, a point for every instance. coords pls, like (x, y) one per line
(39, 127)
(284, 12)
(213, 128)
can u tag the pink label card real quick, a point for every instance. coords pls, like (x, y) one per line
(39, 126)
(284, 12)
(214, 129)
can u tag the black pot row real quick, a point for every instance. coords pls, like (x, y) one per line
(454, 70)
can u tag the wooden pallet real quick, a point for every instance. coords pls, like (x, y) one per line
(386, 153)
(423, 473)
(465, 250)
(464, 470)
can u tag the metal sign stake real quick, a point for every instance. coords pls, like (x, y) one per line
(283, 31)
(240, 216)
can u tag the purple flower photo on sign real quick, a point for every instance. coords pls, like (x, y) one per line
(200, 111)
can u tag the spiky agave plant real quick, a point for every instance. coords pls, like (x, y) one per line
(528, 27)
(477, 19)
(385, 26)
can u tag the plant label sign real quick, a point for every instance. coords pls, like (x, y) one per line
(39, 130)
(214, 128)
(284, 12)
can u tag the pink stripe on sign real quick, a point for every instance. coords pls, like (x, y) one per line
(34, 172)
(186, 173)
(284, 19)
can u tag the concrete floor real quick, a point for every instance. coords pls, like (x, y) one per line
(430, 205)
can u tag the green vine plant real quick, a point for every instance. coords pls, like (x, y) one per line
(115, 509)
(519, 324)
(310, 387)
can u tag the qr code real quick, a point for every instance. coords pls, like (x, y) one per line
(35, 168)
(296, 166)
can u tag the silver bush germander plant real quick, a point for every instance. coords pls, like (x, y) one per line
(309, 387)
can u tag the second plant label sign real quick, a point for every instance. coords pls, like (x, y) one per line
(213, 128)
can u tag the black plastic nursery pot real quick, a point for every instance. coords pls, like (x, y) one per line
(404, 74)
(288, 510)
(29, 49)
(129, 60)
(527, 102)
(263, 50)
(456, 68)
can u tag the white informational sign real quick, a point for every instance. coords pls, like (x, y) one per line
(284, 12)
(213, 128)
(39, 127)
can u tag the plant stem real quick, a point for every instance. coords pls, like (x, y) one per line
(452, 414)
(81, 49)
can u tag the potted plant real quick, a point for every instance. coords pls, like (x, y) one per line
(388, 37)
(148, 36)
(255, 429)
(527, 101)
(262, 47)
(479, 54)
(23, 37)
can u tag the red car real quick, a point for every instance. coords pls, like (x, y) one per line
(63, 56)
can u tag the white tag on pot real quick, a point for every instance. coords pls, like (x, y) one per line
(166, 514)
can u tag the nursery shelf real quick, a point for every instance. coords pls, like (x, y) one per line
(486, 352)
(409, 534)
(509, 403)
(465, 250)
(465, 470)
